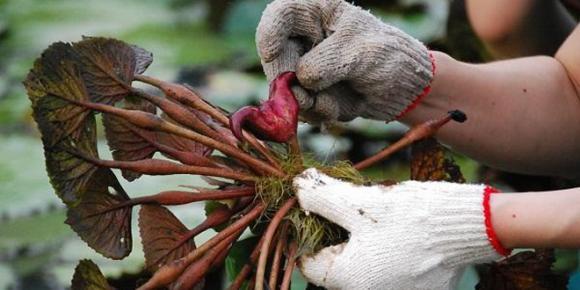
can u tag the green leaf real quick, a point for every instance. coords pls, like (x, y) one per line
(566, 260)
(163, 236)
(101, 218)
(88, 277)
(47, 227)
(213, 205)
(239, 256)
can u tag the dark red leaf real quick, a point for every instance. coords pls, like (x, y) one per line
(225, 132)
(69, 174)
(95, 69)
(143, 59)
(107, 67)
(62, 125)
(100, 219)
(163, 236)
(430, 163)
(128, 142)
(523, 271)
(180, 143)
(54, 79)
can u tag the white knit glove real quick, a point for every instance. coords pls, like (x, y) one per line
(414, 235)
(352, 63)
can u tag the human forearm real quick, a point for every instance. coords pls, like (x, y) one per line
(366, 68)
(537, 219)
(520, 27)
(523, 114)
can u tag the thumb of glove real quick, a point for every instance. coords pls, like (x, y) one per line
(318, 267)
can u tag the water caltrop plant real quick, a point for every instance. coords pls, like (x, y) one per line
(248, 159)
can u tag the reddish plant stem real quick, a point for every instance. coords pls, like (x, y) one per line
(184, 95)
(181, 115)
(219, 260)
(224, 120)
(418, 132)
(247, 269)
(168, 273)
(295, 153)
(214, 219)
(164, 167)
(188, 158)
(294, 146)
(217, 217)
(184, 197)
(187, 96)
(197, 270)
(150, 121)
(269, 234)
(261, 148)
(220, 216)
(251, 283)
(276, 260)
(290, 262)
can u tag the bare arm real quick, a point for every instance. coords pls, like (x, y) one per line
(523, 114)
(518, 28)
(537, 219)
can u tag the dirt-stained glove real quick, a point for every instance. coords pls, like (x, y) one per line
(411, 236)
(352, 63)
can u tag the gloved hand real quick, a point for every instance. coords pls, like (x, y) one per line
(414, 235)
(351, 63)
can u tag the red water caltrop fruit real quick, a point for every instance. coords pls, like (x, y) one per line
(274, 120)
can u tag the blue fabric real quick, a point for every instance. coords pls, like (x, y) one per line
(574, 283)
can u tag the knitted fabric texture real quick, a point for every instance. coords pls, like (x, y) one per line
(426, 90)
(493, 239)
(352, 63)
(414, 235)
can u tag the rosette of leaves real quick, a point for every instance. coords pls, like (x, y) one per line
(175, 131)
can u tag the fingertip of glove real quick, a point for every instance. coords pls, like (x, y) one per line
(268, 46)
(327, 106)
(305, 101)
(272, 31)
(312, 178)
(307, 186)
(268, 50)
(306, 180)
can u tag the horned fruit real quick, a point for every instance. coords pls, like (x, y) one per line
(275, 119)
